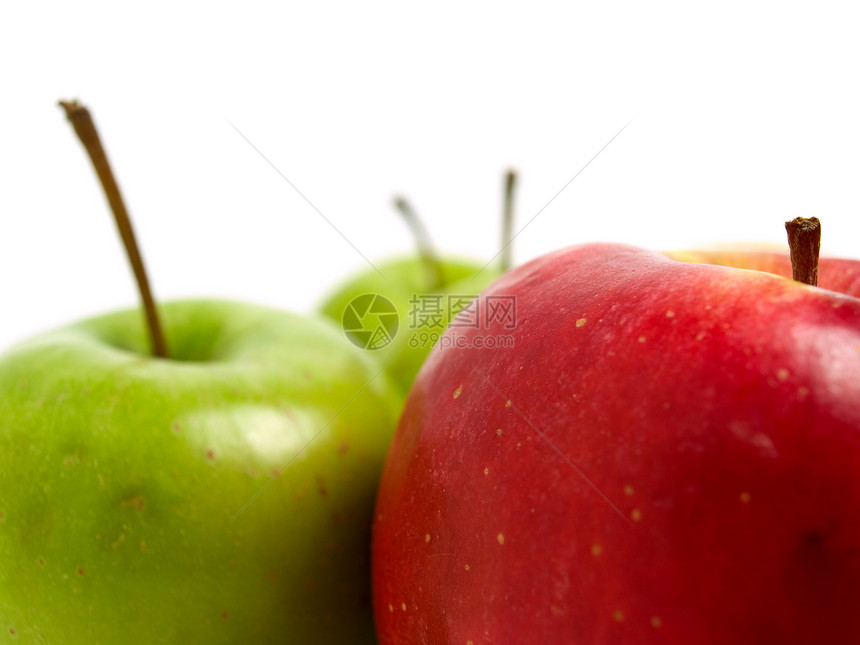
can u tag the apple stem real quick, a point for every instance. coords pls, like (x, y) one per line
(506, 259)
(426, 249)
(804, 243)
(80, 118)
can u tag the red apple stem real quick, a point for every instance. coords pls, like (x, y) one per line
(85, 128)
(426, 250)
(506, 259)
(804, 243)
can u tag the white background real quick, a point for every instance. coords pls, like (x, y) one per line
(741, 116)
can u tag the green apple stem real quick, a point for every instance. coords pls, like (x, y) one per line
(804, 243)
(82, 121)
(506, 259)
(426, 249)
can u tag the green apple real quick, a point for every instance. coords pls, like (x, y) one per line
(206, 480)
(220, 496)
(420, 294)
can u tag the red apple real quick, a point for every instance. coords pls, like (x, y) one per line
(667, 453)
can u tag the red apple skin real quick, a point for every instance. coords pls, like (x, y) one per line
(669, 453)
(835, 274)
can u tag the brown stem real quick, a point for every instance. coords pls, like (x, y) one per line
(804, 243)
(81, 120)
(428, 253)
(508, 221)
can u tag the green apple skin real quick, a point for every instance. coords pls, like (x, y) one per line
(400, 280)
(666, 453)
(836, 274)
(223, 497)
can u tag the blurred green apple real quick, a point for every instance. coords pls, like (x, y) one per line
(400, 307)
(423, 311)
(221, 496)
